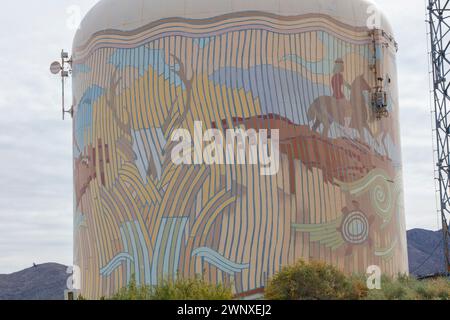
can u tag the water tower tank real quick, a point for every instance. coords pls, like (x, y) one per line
(318, 77)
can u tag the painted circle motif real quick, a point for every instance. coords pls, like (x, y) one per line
(355, 228)
(381, 196)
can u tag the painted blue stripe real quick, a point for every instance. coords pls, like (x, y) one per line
(125, 247)
(184, 222)
(156, 252)
(137, 270)
(145, 253)
(219, 261)
(168, 247)
(115, 263)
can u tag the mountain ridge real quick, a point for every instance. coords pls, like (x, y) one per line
(41, 282)
(425, 252)
(48, 281)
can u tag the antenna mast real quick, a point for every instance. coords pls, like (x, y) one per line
(439, 23)
(64, 68)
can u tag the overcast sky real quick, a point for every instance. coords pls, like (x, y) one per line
(35, 144)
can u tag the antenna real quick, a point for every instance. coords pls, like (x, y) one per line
(64, 68)
(439, 37)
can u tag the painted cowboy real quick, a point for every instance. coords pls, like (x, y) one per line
(338, 84)
(337, 81)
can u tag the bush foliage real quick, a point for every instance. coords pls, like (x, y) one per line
(302, 281)
(181, 289)
(314, 281)
(408, 288)
(319, 281)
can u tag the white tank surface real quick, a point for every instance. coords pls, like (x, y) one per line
(132, 14)
(315, 80)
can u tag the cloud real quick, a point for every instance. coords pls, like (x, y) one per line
(35, 159)
(36, 193)
(408, 21)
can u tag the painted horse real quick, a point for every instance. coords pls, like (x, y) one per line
(327, 110)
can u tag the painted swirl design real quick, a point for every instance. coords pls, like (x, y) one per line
(381, 197)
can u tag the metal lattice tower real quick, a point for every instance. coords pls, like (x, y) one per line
(439, 20)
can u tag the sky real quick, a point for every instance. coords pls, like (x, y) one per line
(35, 144)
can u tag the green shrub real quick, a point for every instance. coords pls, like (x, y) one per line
(318, 281)
(314, 281)
(181, 289)
(409, 288)
(133, 292)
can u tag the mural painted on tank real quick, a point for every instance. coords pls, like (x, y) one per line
(337, 196)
